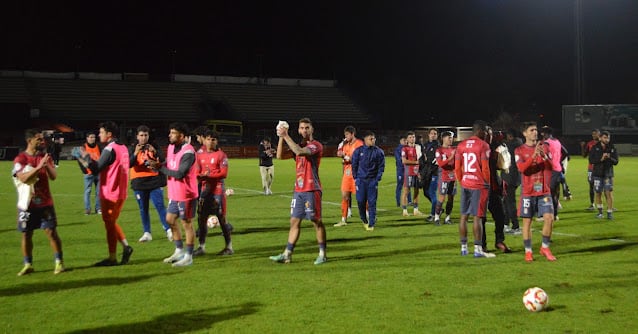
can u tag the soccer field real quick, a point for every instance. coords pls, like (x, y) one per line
(405, 276)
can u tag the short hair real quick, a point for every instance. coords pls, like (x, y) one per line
(433, 129)
(479, 125)
(143, 128)
(546, 129)
(179, 127)
(350, 129)
(209, 133)
(605, 133)
(199, 131)
(527, 125)
(595, 130)
(267, 139)
(110, 126)
(305, 120)
(410, 133)
(30, 133)
(368, 133)
(447, 134)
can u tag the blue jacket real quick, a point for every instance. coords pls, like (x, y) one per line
(368, 162)
(397, 159)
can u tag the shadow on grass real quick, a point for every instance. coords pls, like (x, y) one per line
(604, 248)
(26, 289)
(181, 322)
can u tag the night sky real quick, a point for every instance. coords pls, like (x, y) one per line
(436, 61)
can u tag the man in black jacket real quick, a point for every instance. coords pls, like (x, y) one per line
(603, 156)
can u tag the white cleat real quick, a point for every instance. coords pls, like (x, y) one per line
(146, 237)
(177, 256)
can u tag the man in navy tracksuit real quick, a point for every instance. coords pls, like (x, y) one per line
(368, 163)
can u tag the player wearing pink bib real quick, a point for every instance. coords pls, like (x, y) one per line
(182, 192)
(113, 166)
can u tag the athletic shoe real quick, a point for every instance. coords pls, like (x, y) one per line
(169, 234)
(599, 216)
(146, 237)
(177, 255)
(405, 213)
(320, 260)
(503, 247)
(98, 211)
(437, 222)
(610, 215)
(529, 257)
(484, 254)
(429, 218)
(507, 229)
(199, 251)
(546, 252)
(416, 212)
(516, 231)
(556, 218)
(87, 212)
(341, 223)
(281, 258)
(463, 252)
(591, 208)
(126, 254)
(226, 251)
(186, 260)
(447, 221)
(539, 219)
(59, 268)
(368, 227)
(106, 263)
(26, 270)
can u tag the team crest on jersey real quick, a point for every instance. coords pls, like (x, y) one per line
(300, 182)
(212, 160)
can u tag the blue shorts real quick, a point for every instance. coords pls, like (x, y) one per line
(306, 205)
(209, 204)
(603, 184)
(37, 218)
(474, 202)
(411, 181)
(184, 209)
(446, 187)
(533, 206)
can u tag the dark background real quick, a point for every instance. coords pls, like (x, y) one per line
(428, 61)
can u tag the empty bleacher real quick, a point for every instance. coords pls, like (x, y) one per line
(70, 99)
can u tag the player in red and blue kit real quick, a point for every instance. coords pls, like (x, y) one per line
(212, 169)
(535, 166)
(446, 178)
(306, 201)
(32, 170)
(410, 161)
(472, 170)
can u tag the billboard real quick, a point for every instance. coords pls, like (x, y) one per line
(619, 119)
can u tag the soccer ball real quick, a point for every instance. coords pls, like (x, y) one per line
(212, 221)
(535, 299)
(230, 192)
